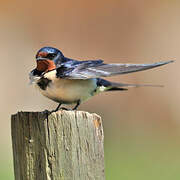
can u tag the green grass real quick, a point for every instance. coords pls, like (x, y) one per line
(142, 161)
(6, 170)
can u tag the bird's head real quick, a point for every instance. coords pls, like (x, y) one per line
(47, 57)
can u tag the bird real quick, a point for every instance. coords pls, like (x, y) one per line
(69, 81)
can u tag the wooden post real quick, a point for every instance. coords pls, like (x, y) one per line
(63, 145)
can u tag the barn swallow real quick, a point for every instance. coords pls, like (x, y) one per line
(69, 81)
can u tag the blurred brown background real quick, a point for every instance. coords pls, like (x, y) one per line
(142, 125)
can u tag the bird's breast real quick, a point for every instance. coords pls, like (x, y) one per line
(67, 90)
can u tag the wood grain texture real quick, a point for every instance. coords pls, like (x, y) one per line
(63, 145)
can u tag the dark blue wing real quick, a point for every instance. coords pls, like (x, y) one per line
(69, 68)
(94, 69)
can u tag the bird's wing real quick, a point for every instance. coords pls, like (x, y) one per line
(72, 69)
(95, 69)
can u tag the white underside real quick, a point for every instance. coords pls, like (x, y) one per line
(68, 90)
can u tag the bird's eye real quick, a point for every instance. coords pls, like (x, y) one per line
(51, 56)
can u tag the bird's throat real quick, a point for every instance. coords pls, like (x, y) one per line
(45, 65)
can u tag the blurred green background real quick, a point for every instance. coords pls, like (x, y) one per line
(142, 125)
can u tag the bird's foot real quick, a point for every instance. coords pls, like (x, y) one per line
(55, 110)
(46, 112)
(66, 109)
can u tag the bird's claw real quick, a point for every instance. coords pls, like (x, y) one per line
(66, 109)
(46, 112)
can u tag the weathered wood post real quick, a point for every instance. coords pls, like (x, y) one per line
(64, 145)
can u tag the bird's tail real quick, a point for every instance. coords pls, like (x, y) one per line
(122, 86)
(105, 85)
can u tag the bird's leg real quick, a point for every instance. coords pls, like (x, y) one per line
(63, 108)
(78, 103)
(57, 107)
